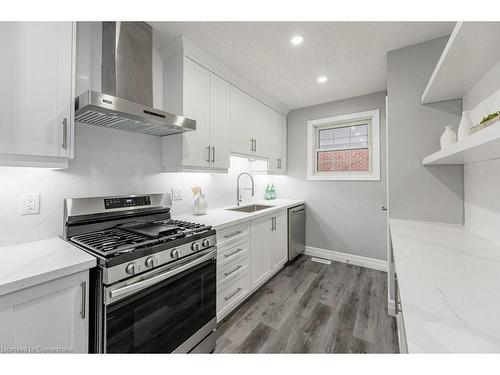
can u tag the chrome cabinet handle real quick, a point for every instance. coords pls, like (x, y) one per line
(232, 295)
(255, 142)
(208, 154)
(83, 307)
(383, 208)
(279, 163)
(213, 154)
(251, 144)
(65, 133)
(233, 253)
(233, 271)
(273, 223)
(232, 234)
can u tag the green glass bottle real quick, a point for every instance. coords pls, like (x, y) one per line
(268, 192)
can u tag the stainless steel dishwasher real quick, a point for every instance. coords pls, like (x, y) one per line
(296, 231)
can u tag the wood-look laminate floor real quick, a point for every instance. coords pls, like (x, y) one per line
(311, 307)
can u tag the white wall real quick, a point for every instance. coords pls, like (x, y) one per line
(482, 180)
(342, 216)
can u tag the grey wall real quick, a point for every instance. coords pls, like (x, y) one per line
(432, 193)
(342, 216)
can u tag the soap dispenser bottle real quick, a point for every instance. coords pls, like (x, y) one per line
(268, 192)
(273, 192)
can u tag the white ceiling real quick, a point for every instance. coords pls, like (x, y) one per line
(351, 54)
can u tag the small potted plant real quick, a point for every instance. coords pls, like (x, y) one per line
(487, 121)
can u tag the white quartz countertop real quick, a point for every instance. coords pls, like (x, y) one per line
(32, 263)
(219, 218)
(449, 280)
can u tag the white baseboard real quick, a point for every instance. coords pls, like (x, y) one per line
(375, 264)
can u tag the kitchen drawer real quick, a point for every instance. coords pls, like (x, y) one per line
(233, 251)
(231, 295)
(231, 270)
(233, 233)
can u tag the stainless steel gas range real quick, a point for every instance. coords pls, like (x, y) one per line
(154, 289)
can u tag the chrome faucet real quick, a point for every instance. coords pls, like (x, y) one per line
(238, 197)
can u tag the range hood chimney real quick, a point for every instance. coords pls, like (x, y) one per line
(126, 100)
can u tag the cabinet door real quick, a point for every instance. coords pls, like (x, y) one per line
(260, 250)
(219, 122)
(277, 140)
(279, 243)
(50, 315)
(283, 139)
(196, 106)
(260, 129)
(241, 122)
(37, 88)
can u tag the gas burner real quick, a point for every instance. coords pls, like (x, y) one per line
(124, 239)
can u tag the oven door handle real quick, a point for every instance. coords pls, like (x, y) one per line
(160, 277)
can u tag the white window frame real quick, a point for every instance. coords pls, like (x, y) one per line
(374, 150)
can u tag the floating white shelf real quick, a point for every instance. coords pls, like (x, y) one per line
(480, 146)
(472, 50)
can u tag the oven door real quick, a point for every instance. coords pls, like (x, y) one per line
(166, 310)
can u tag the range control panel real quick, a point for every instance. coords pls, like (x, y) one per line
(126, 202)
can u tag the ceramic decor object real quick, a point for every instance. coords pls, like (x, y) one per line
(448, 137)
(200, 204)
(465, 126)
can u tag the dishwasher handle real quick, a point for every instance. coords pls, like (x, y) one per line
(297, 210)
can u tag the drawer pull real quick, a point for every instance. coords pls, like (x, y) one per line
(233, 271)
(232, 234)
(233, 294)
(233, 253)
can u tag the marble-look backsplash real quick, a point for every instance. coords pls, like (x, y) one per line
(108, 162)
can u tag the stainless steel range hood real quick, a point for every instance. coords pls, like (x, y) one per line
(127, 85)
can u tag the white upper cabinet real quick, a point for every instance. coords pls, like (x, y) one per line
(248, 125)
(219, 122)
(37, 93)
(277, 142)
(204, 97)
(241, 122)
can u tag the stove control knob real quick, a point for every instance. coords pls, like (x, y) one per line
(174, 253)
(151, 262)
(131, 269)
(206, 242)
(195, 246)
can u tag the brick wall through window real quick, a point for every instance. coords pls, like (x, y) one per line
(343, 160)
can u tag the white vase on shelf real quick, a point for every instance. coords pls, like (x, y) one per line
(465, 126)
(448, 137)
(200, 204)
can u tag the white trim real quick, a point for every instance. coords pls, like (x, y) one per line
(357, 260)
(391, 310)
(374, 174)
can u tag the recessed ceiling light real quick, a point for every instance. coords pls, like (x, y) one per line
(322, 79)
(297, 39)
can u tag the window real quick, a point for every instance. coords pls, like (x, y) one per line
(344, 147)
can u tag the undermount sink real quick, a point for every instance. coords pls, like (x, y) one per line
(250, 208)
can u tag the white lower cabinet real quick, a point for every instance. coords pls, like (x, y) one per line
(248, 255)
(279, 244)
(261, 250)
(49, 317)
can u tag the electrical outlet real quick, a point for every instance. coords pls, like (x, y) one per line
(176, 194)
(30, 204)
